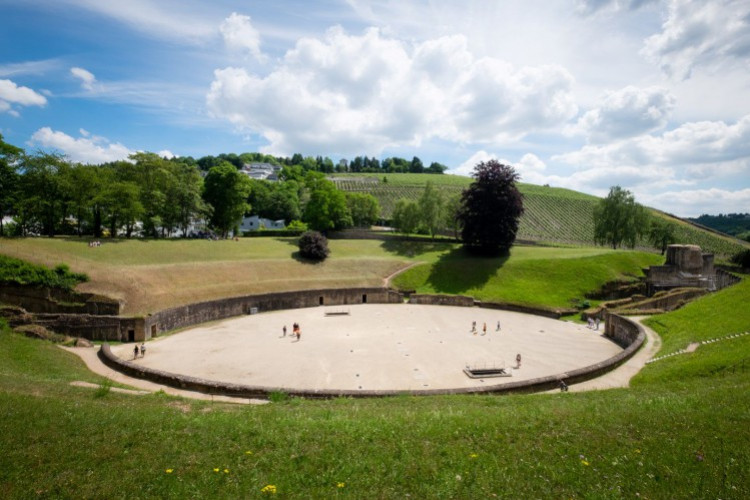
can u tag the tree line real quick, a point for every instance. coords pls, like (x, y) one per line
(158, 197)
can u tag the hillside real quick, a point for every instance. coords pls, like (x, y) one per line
(682, 430)
(552, 215)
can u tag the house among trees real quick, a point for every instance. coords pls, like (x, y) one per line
(254, 223)
(261, 171)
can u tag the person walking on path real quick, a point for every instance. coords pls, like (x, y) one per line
(498, 326)
(135, 351)
(484, 329)
(143, 350)
(284, 331)
(518, 360)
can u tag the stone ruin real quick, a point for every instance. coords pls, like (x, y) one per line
(687, 266)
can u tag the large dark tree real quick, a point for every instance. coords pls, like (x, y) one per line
(9, 178)
(490, 209)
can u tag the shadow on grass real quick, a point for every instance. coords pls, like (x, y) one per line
(458, 271)
(406, 248)
(311, 262)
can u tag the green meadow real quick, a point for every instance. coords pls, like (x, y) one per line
(682, 430)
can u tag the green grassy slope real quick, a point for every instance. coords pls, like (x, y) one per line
(550, 277)
(682, 431)
(551, 214)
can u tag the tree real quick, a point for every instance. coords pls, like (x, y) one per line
(313, 245)
(490, 209)
(405, 217)
(618, 219)
(226, 190)
(364, 209)
(661, 234)
(431, 208)
(326, 209)
(9, 179)
(43, 200)
(436, 168)
(450, 214)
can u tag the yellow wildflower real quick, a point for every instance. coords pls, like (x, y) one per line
(340, 485)
(269, 489)
(584, 462)
(169, 471)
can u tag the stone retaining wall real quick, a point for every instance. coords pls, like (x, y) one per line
(537, 311)
(441, 300)
(630, 334)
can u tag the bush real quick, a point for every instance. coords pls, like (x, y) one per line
(742, 259)
(313, 245)
(25, 273)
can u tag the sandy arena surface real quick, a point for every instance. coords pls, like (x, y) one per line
(375, 347)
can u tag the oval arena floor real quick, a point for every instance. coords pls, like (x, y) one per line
(375, 347)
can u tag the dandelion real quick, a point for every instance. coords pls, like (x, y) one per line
(169, 471)
(340, 485)
(584, 462)
(216, 469)
(269, 489)
(248, 452)
(473, 455)
(226, 471)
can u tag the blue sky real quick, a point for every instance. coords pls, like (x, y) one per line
(650, 95)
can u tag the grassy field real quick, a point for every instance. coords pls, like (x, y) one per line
(681, 431)
(551, 277)
(551, 214)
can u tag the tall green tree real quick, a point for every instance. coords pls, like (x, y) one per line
(43, 200)
(661, 234)
(81, 184)
(431, 208)
(364, 209)
(226, 190)
(326, 207)
(451, 213)
(490, 209)
(9, 179)
(405, 217)
(618, 219)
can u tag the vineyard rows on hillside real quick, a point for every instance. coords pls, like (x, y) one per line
(550, 214)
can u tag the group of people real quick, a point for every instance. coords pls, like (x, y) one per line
(94, 244)
(593, 323)
(484, 327)
(296, 331)
(142, 350)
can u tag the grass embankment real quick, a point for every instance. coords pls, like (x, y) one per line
(665, 438)
(552, 277)
(151, 275)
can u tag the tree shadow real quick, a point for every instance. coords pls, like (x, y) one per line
(411, 248)
(459, 271)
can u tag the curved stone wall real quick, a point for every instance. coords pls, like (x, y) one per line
(622, 330)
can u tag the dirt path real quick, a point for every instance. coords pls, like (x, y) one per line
(620, 377)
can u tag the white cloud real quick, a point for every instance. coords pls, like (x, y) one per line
(87, 78)
(85, 149)
(10, 94)
(171, 19)
(692, 203)
(626, 113)
(467, 167)
(351, 94)
(699, 150)
(239, 34)
(699, 33)
(166, 154)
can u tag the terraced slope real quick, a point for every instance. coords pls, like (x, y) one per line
(551, 214)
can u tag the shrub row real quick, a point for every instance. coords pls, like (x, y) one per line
(24, 273)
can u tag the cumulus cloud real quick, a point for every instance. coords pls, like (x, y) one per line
(240, 35)
(626, 113)
(11, 94)
(348, 94)
(85, 149)
(699, 33)
(589, 7)
(692, 203)
(87, 78)
(700, 150)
